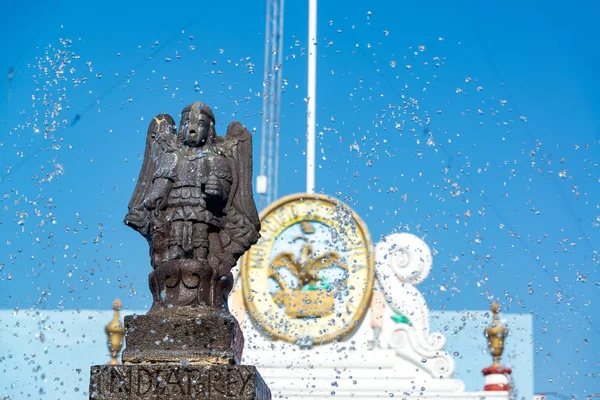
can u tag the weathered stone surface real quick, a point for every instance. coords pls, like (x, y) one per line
(187, 335)
(193, 203)
(177, 382)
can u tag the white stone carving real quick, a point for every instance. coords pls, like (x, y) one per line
(403, 260)
(406, 255)
(382, 358)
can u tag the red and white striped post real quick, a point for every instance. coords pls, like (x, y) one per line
(497, 378)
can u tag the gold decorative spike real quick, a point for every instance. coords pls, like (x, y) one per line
(496, 333)
(115, 332)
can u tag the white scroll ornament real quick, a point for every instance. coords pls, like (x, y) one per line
(403, 260)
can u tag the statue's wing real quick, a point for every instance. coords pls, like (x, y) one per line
(242, 200)
(243, 224)
(161, 138)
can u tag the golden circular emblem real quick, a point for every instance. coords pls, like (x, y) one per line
(309, 278)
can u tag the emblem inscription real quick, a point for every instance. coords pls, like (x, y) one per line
(309, 278)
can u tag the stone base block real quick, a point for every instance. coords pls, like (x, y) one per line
(183, 335)
(177, 382)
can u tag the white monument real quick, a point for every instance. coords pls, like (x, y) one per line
(363, 333)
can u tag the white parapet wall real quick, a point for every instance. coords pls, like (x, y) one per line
(400, 349)
(397, 350)
(47, 354)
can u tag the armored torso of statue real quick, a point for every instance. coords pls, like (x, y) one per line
(193, 203)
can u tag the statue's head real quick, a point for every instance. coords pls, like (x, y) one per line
(197, 126)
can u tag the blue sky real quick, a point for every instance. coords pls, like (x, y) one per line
(473, 125)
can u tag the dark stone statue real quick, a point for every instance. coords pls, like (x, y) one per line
(193, 203)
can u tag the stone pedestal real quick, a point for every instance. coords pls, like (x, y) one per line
(177, 382)
(183, 335)
(180, 353)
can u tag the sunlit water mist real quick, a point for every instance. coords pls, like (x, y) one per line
(33, 149)
(415, 133)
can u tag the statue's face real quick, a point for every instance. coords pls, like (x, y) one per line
(196, 128)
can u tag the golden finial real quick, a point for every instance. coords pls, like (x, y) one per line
(115, 332)
(495, 334)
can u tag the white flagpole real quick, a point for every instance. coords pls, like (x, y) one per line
(312, 96)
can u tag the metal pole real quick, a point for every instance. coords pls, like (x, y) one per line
(272, 91)
(278, 99)
(312, 96)
(265, 116)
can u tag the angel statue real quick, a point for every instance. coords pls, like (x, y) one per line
(193, 203)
